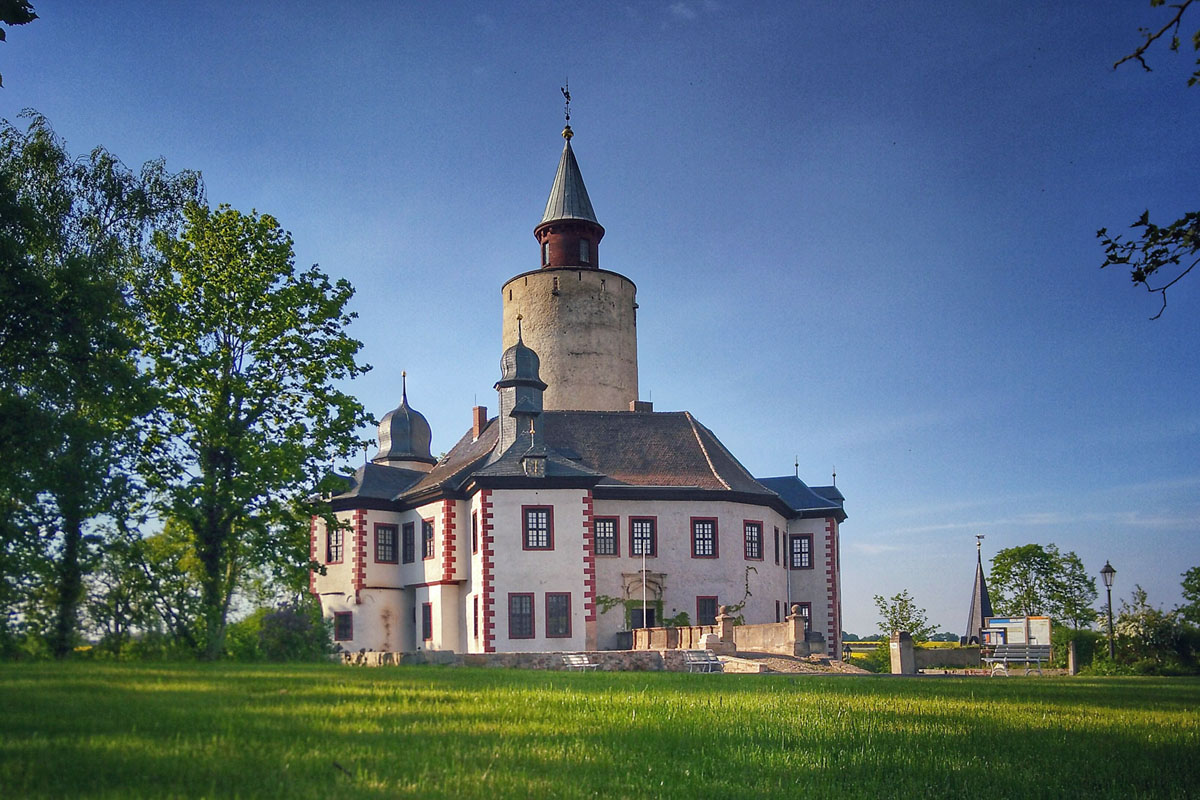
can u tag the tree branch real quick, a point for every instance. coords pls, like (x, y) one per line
(1151, 38)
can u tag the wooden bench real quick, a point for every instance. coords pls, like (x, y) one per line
(1031, 655)
(702, 661)
(578, 661)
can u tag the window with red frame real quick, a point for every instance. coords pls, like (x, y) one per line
(385, 544)
(604, 536)
(539, 534)
(343, 626)
(643, 536)
(558, 615)
(801, 547)
(333, 546)
(427, 538)
(407, 545)
(704, 538)
(520, 616)
(754, 541)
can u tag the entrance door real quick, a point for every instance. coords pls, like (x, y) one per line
(636, 620)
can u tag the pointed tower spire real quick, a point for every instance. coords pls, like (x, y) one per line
(569, 233)
(981, 603)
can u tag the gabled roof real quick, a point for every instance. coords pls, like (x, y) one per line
(559, 467)
(452, 471)
(804, 500)
(568, 196)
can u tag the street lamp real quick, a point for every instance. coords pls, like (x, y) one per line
(1108, 573)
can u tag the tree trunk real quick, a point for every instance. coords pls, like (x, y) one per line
(70, 587)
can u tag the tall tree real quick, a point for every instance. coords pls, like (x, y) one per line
(1073, 592)
(72, 232)
(1023, 580)
(900, 612)
(1190, 610)
(1159, 256)
(244, 352)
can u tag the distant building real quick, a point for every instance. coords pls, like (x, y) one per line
(529, 534)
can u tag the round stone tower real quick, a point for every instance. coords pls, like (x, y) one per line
(580, 319)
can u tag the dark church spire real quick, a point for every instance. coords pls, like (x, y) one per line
(981, 604)
(569, 233)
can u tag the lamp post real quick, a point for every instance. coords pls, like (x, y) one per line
(1108, 573)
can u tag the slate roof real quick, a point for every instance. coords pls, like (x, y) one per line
(805, 500)
(568, 196)
(614, 450)
(981, 604)
(377, 482)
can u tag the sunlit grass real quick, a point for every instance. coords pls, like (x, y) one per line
(88, 730)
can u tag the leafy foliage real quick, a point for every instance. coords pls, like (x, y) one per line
(244, 352)
(901, 613)
(1190, 610)
(72, 232)
(1160, 255)
(1032, 580)
(14, 12)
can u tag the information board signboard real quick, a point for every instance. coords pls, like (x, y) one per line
(1016, 630)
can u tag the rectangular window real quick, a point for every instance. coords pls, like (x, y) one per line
(643, 536)
(333, 546)
(385, 544)
(754, 541)
(520, 616)
(604, 536)
(343, 626)
(539, 529)
(806, 612)
(776, 544)
(642, 618)
(474, 531)
(427, 538)
(427, 622)
(406, 538)
(706, 610)
(777, 611)
(704, 537)
(801, 547)
(476, 615)
(558, 615)
(585, 251)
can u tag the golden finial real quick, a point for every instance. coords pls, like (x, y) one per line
(566, 91)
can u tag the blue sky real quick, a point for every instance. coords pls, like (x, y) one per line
(863, 234)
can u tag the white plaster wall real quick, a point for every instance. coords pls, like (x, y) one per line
(538, 571)
(584, 330)
(687, 577)
(811, 585)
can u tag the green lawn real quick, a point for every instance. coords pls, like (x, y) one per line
(94, 730)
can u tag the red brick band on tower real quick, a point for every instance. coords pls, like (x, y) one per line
(449, 556)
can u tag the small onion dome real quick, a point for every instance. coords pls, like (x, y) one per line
(404, 433)
(520, 365)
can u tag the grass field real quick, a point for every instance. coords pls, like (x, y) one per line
(117, 731)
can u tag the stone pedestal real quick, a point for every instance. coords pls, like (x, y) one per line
(901, 648)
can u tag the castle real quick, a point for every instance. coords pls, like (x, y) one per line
(578, 512)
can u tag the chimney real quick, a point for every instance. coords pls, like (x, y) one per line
(479, 420)
(641, 405)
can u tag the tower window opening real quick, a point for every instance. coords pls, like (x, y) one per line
(510, 294)
(585, 251)
(555, 290)
(545, 253)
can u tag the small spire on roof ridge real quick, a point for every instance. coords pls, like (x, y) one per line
(835, 475)
(519, 318)
(403, 386)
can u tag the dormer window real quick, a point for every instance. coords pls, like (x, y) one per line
(585, 251)
(545, 253)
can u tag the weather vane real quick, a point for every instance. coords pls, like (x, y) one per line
(979, 537)
(566, 90)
